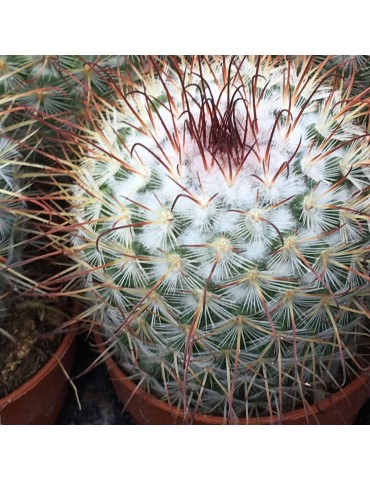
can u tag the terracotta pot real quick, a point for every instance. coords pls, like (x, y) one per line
(41, 398)
(339, 409)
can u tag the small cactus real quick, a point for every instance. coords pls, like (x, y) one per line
(9, 221)
(48, 86)
(222, 223)
(16, 206)
(7, 231)
(55, 82)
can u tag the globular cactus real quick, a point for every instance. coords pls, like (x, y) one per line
(9, 221)
(221, 209)
(16, 206)
(48, 86)
(55, 82)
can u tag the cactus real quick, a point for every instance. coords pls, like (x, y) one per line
(53, 76)
(355, 73)
(7, 227)
(17, 207)
(221, 209)
(47, 86)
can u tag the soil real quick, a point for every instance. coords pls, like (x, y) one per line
(28, 339)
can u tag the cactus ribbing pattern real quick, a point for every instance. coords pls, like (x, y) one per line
(222, 211)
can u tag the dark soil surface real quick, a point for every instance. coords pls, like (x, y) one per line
(99, 402)
(27, 341)
(364, 415)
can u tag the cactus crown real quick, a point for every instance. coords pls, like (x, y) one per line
(223, 218)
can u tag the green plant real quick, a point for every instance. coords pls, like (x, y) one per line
(47, 86)
(11, 204)
(354, 71)
(221, 223)
(7, 227)
(20, 206)
(31, 345)
(53, 83)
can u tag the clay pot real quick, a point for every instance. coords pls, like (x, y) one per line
(341, 408)
(41, 398)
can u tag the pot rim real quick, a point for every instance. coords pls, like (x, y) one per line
(55, 359)
(310, 410)
(40, 374)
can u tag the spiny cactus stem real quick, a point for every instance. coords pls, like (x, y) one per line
(215, 205)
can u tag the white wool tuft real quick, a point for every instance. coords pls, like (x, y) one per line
(253, 251)
(226, 222)
(190, 236)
